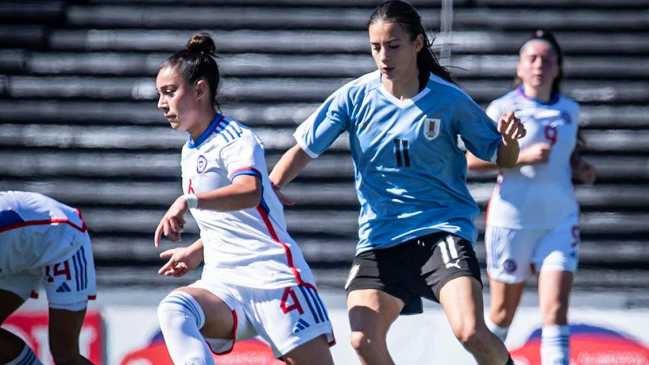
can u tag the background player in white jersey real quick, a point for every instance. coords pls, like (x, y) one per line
(255, 280)
(533, 217)
(42, 240)
(416, 220)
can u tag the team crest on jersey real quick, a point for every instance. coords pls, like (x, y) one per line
(431, 128)
(566, 118)
(201, 164)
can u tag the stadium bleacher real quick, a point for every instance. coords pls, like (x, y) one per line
(79, 119)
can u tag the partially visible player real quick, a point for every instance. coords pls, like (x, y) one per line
(416, 228)
(43, 240)
(255, 280)
(533, 217)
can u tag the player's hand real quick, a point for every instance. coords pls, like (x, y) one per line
(181, 260)
(585, 172)
(173, 223)
(511, 128)
(282, 198)
(535, 154)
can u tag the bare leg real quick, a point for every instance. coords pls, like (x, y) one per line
(10, 344)
(64, 329)
(371, 313)
(314, 352)
(554, 292)
(504, 301)
(462, 301)
(218, 316)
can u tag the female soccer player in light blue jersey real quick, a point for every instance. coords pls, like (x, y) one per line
(533, 216)
(416, 221)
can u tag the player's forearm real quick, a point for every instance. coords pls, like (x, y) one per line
(197, 246)
(508, 154)
(476, 164)
(196, 252)
(289, 166)
(243, 193)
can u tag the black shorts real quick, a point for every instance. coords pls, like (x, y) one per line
(415, 269)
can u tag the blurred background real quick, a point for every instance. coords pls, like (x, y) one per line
(79, 120)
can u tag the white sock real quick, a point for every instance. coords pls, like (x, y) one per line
(26, 357)
(180, 318)
(500, 332)
(555, 345)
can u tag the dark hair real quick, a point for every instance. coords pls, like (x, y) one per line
(546, 35)
(196, 62)
(404, 14)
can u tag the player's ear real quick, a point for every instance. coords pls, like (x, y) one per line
(419, 43)
(200, 88)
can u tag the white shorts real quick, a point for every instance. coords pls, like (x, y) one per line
(285, 318)
(66, 269)
(513, 255)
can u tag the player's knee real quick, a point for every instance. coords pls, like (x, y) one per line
(363, 343)
(501, 316)
(166, 317)
(177, 308)
(470, 335)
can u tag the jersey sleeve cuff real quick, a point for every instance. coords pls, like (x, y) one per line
(245, 171)
(304, 147)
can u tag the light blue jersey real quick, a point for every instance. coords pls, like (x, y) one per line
(410, 173)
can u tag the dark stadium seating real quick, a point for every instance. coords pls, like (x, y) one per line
(79, 119)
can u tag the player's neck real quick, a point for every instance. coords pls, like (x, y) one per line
(203, 122)
(403, 88)
(542, 94)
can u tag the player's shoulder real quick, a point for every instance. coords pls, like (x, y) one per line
(508, 98)
(441, 86)
(568, 103)
(361, 85)
(369, 80)
(506, 102)
(235, 132)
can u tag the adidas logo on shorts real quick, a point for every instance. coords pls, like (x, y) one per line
(64, 288)
(301, 325)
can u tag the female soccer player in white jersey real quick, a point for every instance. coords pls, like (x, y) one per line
(42, 240)
(416, 220)
(255, 280)
(533, 217)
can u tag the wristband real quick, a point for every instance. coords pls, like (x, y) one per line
(192, 200)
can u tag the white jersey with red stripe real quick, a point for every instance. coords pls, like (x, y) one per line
(43, 230)
(537, 196)
(249, 247)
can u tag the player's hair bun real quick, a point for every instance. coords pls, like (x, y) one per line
(202, 42)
